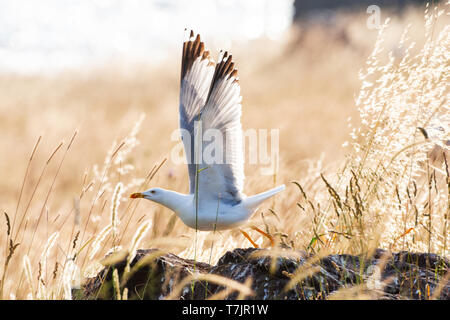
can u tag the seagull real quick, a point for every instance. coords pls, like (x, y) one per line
(210, 100)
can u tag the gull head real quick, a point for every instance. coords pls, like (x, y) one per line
(154, 194)
(170, 199)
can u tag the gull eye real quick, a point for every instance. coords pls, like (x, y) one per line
(153, 191)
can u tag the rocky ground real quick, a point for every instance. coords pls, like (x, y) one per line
(383, 275)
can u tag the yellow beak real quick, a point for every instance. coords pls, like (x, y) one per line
(136, 195)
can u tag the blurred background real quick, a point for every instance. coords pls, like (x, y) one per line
(96, 66)
(52, 35)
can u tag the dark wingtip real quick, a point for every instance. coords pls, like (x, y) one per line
(225, 69)
(192, 49)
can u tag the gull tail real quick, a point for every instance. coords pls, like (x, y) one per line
(254, 201)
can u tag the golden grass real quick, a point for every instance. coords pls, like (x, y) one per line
(345, 200)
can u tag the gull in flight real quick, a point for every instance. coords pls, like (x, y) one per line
(210, 101)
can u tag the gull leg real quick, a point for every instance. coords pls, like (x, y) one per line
(272, 242)
(245, 234)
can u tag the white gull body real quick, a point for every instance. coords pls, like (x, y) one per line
(210, 99)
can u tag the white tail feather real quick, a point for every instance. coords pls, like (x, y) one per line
(254, 201)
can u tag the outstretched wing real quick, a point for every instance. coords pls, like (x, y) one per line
(222, 114)
(197, 69)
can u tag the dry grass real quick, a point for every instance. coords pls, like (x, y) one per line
(72, 206)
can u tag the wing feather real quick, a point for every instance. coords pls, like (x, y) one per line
(212, 95)
(222, 112)
(197, 69)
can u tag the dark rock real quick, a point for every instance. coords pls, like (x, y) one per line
(154, 280)
(403, 275)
